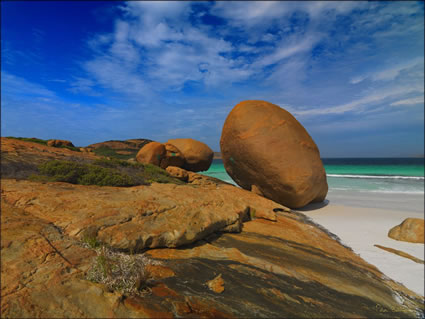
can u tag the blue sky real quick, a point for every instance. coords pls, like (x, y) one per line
(351, 72)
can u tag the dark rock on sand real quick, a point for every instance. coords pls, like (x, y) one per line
(198, 156)
(410, 230)
(265, 149)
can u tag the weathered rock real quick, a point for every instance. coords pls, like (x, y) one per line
(172, 157)
(288, 267)
(177, 172)
(410, 230)
(58, 143)
(151, 153)
(162, 215)
(198, 156)
(265, 148)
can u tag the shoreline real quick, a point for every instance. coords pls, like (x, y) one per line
(362, 220)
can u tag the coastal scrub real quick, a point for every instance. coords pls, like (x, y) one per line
(102, 172)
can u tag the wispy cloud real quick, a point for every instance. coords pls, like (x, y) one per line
(363, 104)
(411, 101)
(392, 72)
(15, 85)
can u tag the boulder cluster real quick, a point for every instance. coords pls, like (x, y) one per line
(186, 153)
(264, 150)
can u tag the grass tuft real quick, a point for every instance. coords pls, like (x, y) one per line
(120, 272)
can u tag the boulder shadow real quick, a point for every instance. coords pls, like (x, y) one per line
(313, 206)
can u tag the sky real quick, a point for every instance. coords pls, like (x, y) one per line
(352, 73)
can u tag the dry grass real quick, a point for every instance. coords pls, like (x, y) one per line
(121, 272)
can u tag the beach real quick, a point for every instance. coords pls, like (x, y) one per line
(362, 219)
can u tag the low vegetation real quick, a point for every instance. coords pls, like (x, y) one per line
(102, 172)
(110, 152)
(118, 271)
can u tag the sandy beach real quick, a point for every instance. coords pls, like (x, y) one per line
(362, 220)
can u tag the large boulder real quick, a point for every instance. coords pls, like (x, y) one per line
(265, 149)
(151, 153)
(172, 157)
(59, 143)
(198, 156)
(410, 230)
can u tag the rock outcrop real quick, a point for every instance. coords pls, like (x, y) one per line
(410, 230)
(59, 143)
(198, 156)
(178, 172)
(266, 149)
(276, 264)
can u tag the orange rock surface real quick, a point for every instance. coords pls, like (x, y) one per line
(410, 230)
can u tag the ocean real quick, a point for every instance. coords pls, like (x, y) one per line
(380, 175)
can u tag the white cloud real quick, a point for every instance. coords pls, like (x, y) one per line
(363, 104)
(15, 85)
(411, 101)
(392, 72)
(290, 48)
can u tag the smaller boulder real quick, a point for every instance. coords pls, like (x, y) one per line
(410, 230)
(59, 143)
(198, 156)
(177, 172)
(151, 153)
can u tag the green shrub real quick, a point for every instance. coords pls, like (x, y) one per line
(109, 152)
(156, 174)
(103, 172)
(84, 174)
(114, 163)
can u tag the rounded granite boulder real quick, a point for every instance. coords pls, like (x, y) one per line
(151, 153)
(265, 149)
(172, 157)
(198, 156)
(410, 230)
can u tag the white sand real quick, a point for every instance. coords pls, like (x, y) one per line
(361, 227)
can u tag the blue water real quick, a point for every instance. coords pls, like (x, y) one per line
(383, 175)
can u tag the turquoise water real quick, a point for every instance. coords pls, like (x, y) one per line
(384, 175)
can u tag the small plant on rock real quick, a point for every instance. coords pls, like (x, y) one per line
(120, 272)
